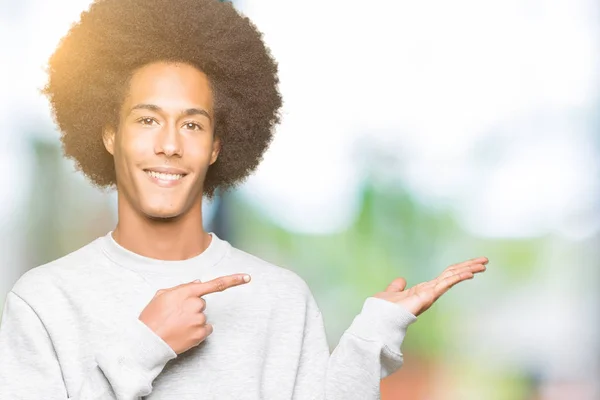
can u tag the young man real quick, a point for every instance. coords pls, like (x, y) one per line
(170, 100)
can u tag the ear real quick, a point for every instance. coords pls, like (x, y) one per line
(215, 151)
(108, 137)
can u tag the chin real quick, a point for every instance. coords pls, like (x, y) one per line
(165, 206)
(156, 213)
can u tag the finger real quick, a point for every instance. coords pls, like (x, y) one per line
(183, 286)
(478, 260)
(201, 319)
(218, 285)
(445, 284)
(449, 275)
(397, 285)
(474, 268)
(209, 329)
(195, 304)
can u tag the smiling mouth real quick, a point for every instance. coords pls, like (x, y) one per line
(164, 176)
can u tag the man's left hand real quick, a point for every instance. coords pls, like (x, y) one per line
(419, 298)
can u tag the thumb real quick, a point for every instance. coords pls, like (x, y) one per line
(397, 285)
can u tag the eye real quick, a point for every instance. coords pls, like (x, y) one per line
(193, 126)
(147, 121)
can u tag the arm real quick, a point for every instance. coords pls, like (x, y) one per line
(370, 349)
(30, 370)
(367, 352)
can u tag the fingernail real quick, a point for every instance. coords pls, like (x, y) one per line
(246, 278)
(198, 281)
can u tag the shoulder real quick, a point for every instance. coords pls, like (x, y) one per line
(49, 277)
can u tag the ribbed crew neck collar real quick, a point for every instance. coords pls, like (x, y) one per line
(215, 251)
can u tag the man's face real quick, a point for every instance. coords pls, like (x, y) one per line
(164, 143)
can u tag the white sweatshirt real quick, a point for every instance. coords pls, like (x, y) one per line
(70, 330)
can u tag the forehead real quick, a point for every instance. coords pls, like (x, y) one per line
(170, 86)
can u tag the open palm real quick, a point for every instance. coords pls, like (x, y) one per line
(420, 297)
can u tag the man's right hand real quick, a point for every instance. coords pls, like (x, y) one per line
(177, 314)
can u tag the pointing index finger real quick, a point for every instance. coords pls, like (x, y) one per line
(219, 284)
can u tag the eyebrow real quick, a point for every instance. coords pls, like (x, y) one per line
(186, 113)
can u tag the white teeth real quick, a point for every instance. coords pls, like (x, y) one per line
(163, 176)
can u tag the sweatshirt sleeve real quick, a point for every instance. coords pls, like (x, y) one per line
(30, 369)
(367, 352)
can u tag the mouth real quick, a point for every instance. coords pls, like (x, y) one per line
(165, 177)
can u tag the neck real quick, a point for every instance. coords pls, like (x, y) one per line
(173, 239)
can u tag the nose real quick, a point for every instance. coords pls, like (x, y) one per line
(169, 142)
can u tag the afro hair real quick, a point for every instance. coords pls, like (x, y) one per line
(88, 76)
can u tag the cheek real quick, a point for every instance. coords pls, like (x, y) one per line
(198, 151)
(135, 148)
